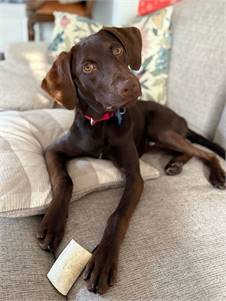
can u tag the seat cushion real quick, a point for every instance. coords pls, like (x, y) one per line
(23, 264)
(174, 248)
(197, 69)
(175, 245)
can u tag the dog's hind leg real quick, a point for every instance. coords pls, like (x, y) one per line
(174, 141)
(175, 165)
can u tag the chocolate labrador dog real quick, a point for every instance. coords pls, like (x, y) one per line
(95, 78)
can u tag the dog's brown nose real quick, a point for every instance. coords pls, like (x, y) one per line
(128, 87)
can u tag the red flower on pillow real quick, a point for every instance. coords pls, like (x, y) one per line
(64, 21)
(149, 6)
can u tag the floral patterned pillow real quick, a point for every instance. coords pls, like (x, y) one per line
(156, 35)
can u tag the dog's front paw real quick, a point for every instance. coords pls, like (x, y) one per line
(52, 228)
(100, 271)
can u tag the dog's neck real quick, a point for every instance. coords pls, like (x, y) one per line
(90, 107)
(94, 116)
(106, 116)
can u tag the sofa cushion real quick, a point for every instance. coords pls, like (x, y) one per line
(174, 248)
(20, 87)
(175, 245)
(21, 75)
(24, 180)
(197, 68)
(155, 30)
(23, 264)
(31, 54)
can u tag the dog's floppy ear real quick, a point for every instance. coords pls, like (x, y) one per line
(58, 82)
(130, 38)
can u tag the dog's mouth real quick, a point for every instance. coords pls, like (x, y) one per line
(122, 104)
(129, 103)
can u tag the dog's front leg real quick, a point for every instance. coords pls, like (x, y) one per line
(101, 270)
(52, 227)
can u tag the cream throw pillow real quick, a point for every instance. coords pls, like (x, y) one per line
(24, 181)
(20, 89)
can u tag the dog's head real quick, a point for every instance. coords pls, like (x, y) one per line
(96, 71)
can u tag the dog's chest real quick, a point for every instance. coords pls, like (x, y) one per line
(99, 139)
(93, 146)
(91, 140)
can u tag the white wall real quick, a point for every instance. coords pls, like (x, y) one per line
(13, 20)
(43, 31)
(124, 11)
(13, 24)
(103, 11)
(115, 12)
(108, 12)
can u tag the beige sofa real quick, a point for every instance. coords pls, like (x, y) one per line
(175, 248)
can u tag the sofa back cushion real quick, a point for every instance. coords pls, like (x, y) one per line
(220, 135)
(197, 67)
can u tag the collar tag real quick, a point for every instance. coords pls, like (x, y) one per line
(119, 113)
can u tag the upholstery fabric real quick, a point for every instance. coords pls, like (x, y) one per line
(156, 36)
(24, 180)
(175, 245)
(31, 54)
(174, 248)
(23, 264)
(20, 88)
(197, 74)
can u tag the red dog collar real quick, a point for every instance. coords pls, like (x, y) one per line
(104, 117)
(107, 115)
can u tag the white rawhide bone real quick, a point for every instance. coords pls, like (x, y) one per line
(68, 267)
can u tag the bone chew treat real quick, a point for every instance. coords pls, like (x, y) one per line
(68, 267)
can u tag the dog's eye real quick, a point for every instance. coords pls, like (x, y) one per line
(89, 68)
(117, 51)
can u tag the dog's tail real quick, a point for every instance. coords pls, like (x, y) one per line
(197, 138)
